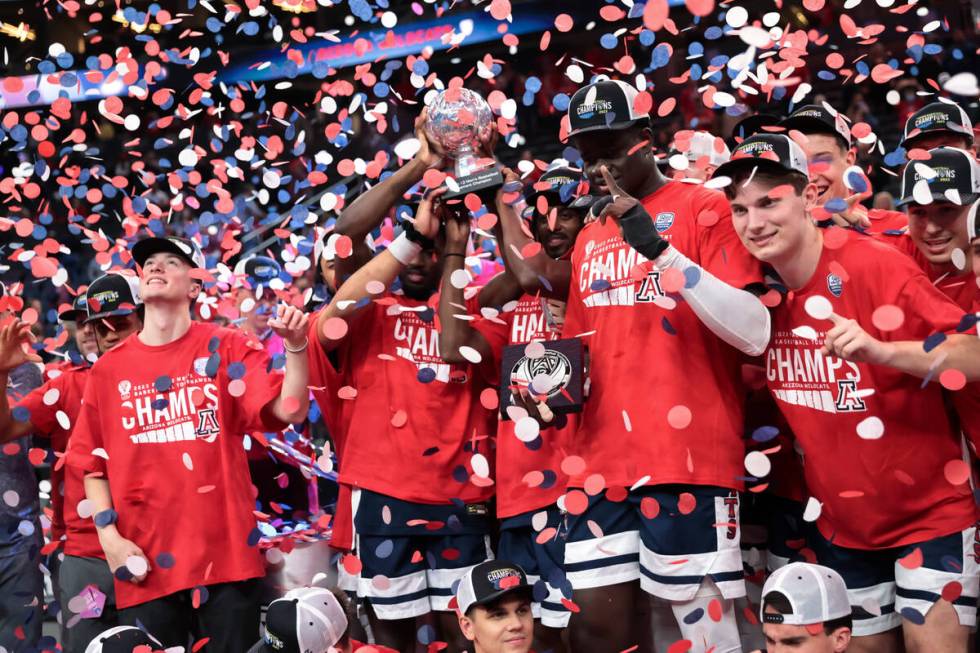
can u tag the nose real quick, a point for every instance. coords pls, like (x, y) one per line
(152, 265)
(754, 220)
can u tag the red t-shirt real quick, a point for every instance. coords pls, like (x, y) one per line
(417, 417)
(876, 493)
(54, 409)
(175, 461)
(887, 220)
(370, 648)
(529, 321)
(666, 393)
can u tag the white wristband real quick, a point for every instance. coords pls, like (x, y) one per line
(404, 250)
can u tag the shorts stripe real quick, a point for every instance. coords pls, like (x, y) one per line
(399, 598)
(857, 612)
(589, 565)
(931, 597)
(720, 577)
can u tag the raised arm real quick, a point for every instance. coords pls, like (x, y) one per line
(378, 274)
(293, 401)
(366, 212)
(456, 330)
(535, 274)
(15, 350)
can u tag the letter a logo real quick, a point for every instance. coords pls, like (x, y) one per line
(848, 400)
(207, 425)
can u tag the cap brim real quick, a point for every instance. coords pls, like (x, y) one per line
(117, 312)
(147, 247)
(727, 168)
(812, 126)
(613, 126)
(966, 133)
(523, 589)
(72, 315)
(965, 200)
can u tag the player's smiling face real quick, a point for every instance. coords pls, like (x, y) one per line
(558, 238)
(827, 159)
(770, 217)
(938, 229)
(623, 151)
(167, 277)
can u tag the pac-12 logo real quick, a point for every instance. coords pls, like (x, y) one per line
(664, 221)
(124, 387)
(835, 284)
(550, 373)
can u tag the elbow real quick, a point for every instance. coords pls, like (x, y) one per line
(758, 344)
(528, 280)
(449, 352)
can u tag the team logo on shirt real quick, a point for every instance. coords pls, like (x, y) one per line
(187, 411)
(207, 425)
(614, 274)
(649, 289)
(800, 375)
(835, 284)
(549, 373)
(664, 221)
(201, 366)
(124, 387)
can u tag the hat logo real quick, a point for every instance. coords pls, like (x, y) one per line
(929, 118)
(586, 111)
(835, 285)
(664, 221)
(106, 296)
(752, 148)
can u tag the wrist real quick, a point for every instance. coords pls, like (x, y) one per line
(296, 346)
(403, 249)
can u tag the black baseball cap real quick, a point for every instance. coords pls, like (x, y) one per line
(78, 311)
(112, 294)
(603, 105)
(753, 124)
(559, 185)
(488, 581)
(937, 117)
(777, 152)
(819, 119)
(183, 247)
(305, 620)
(949, 175)
(122, 639)
(973, 222)
(257, 270)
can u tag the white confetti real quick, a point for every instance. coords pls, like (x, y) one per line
(958, 258)
(11, 498)
(758, 464)
(736, 16)
(460, 279)
(470, 354)
(186, 459)
(805, 332)
(188, 157)
(527, 429)
(63, 421)
(812, 511)
(818, 307)
(51, 397)
(870, 428)
(85, 509)
(136, 565)
(539, 520)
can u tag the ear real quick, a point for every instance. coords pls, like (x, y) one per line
(466, 627)
(810, 194)
(841, 639)
(196, 288)
(851, 156)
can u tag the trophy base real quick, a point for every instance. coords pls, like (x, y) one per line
(484, 183)
(562, 364)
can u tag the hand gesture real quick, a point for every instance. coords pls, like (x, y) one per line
(290, 324)
(426, 221)
(457, 234)
(15, 346)
(430, 153)
(512, 183)
(849, 341)
(118, 550)
(618, 202)
(855, 215)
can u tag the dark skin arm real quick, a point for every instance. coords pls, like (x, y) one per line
(530, 271)
(455, 331)
(366, 212)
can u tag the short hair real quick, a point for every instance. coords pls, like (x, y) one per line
(780, 603)
(767, 176)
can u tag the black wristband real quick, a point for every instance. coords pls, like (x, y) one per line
(453, 254)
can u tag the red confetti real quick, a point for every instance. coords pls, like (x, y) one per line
(912, 560)
(576, 502)
(686, 503)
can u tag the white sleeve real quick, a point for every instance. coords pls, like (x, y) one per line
(736, 316)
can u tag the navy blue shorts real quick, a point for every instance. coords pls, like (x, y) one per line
(670, 537)
(883, 591)
(535, 540)
(412, 554)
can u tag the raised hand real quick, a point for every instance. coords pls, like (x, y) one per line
(848, 340)
(429, 152)
(427, 218)
(618, 203)
(15, 346)
(290, 324)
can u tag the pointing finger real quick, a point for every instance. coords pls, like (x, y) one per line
(611, 184)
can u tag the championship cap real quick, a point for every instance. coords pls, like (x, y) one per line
(949, 175)
(112, 294)
(753, 124)
(819, 119)
(78, 311)
(602, 105)
(257, 270)
(776, 152)
(816, 595)
(123, 639)
(305, 620)
(937, 117)
(559, 184)
(183, 247)
(488, 581)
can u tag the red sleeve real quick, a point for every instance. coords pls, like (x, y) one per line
(322, 370)
(43, 418)
(926, 310)
(86, 437)
(262, 384)
(495, 331)
(720, 251)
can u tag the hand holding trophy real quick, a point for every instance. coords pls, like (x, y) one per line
(461, 122)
